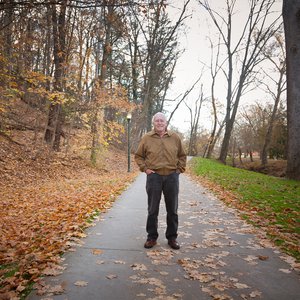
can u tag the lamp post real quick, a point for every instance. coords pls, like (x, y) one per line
(128, 140)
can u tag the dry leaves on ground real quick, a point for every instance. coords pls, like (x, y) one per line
(40, 219)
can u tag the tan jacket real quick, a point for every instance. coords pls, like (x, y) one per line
(163, 155)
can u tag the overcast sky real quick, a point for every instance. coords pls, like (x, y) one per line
(189, 67)
(197, 51)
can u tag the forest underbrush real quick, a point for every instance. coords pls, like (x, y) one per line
(274, 167)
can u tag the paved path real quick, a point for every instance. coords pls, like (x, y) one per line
(220, 256)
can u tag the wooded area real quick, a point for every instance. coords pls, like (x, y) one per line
(69, 65)
(81, 66)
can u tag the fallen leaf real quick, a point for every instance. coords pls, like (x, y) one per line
(51, 272)
(285, 271)
(56, 289)
(221, 297)
(164, 273)
(206, 290)
(97, 251)
(176, 295)
(241, 285)
(81, 283)
(9, 296)
(139, 267)
(120, 262)
(100, 262)
(262, 257)
(255, 294)
(111, 276)
(20, 288)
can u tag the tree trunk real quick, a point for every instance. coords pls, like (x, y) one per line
(98, 113)
(230, 123)
(251, 156)
(240, 155)
(195, 116)
(54, 127)
(268, 138)
(133, 48)
(95, 139)
(6, 47)
(215, 139)
(211, 144)
(233, 152)
(226, 139)
(56, 117)
(291, 13)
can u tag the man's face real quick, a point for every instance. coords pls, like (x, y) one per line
(160, 124)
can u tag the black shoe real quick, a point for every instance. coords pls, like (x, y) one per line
(173, 244)
(149, 244)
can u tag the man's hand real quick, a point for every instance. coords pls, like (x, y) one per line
(149, 171)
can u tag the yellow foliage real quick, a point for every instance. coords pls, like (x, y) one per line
(115, 97)
(13, 92)
(13, 84)
(60, 98)
(35, 78)
(112, 132)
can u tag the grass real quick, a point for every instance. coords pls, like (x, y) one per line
(9, 270)
(265, 201)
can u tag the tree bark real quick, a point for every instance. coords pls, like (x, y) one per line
(268, 138)
(56, 117)
(195, 116)
(6, 26)
(98, 113)
(291, 18)
(215, 68)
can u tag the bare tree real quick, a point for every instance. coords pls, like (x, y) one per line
(278, 61)
(194, 122)
(252, 126)
(290, 13)
(186, 93)
(244, 55)
(156, 57)
(215, 67)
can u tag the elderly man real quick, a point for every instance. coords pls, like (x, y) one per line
(161, 156)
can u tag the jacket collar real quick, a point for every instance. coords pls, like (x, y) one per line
(152, 132)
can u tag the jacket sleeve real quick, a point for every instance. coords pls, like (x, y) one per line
(139, 156)
(181, 165)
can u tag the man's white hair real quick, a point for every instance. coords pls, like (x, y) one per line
(159, 114)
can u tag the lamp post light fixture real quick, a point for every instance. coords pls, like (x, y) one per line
(128, 140)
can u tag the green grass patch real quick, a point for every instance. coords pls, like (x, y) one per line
(275, 201)
(93, 216)
(27, 291)
(9, 270)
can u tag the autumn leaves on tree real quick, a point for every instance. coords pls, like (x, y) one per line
(85, 65)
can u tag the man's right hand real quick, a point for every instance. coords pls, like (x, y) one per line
(149, 171)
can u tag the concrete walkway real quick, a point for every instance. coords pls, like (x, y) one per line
(221, 257)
